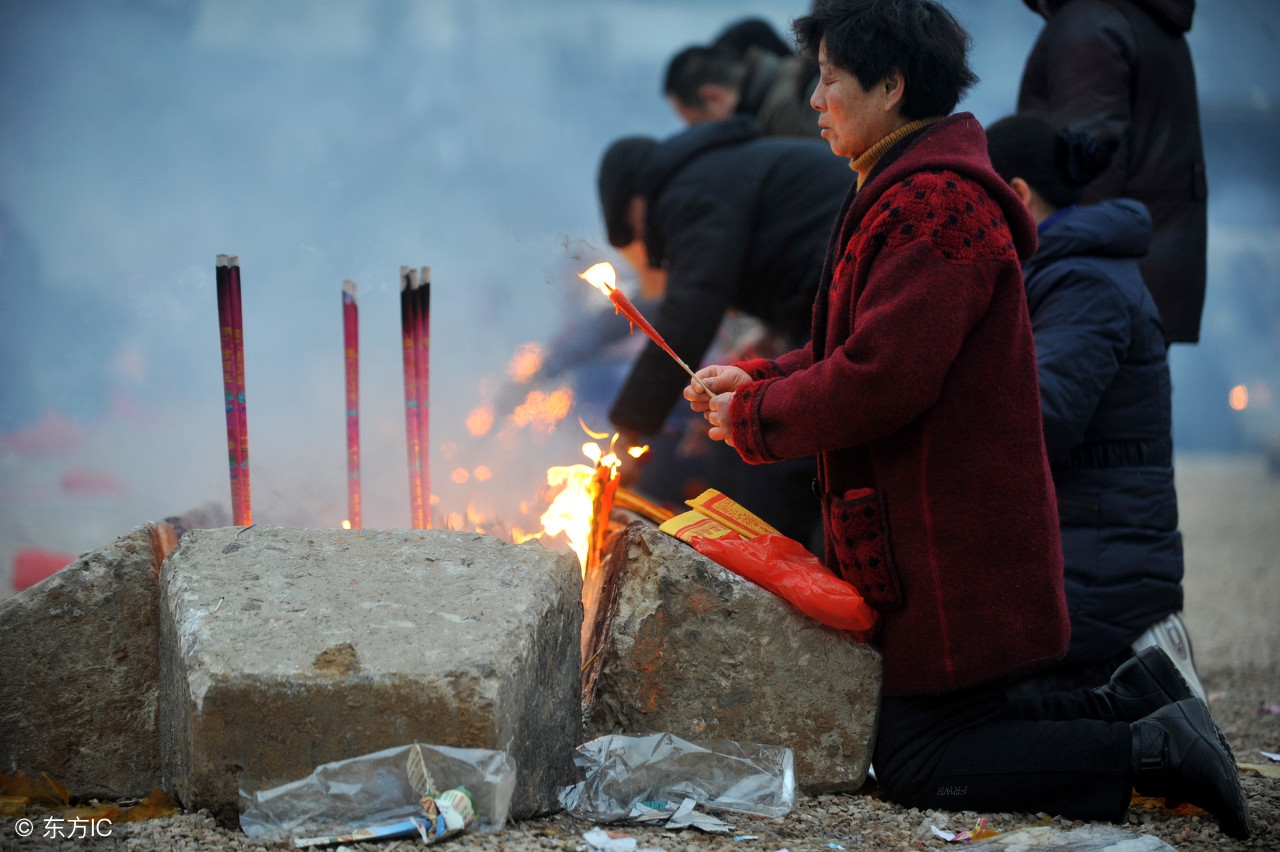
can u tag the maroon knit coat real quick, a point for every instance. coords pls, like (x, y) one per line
(919, 395)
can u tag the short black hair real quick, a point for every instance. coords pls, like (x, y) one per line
(872, 38)
(696, 66)
(1056, 162)
(619, 181)
(741, 35)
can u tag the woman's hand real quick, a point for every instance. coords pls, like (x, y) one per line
(721, 381)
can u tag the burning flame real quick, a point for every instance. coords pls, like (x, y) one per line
(602, 277)
(573, 509)
(346, 525)
(1238, 398)
(543, 410)
(525, 363)
(480, 420)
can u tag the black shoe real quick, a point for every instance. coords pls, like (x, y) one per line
(1177, 755)
(1143, 684)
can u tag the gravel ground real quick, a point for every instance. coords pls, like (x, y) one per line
(858, 821)
(1230, 519)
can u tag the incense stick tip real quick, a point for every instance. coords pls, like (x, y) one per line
(426, 275)
(349, 286)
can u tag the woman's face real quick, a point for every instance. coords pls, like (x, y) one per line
(852, 118)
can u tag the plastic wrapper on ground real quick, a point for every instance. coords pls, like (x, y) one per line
(342, 797)
(1088, 838)
(617, 772)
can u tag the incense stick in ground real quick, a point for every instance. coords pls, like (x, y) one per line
(230, 390)
(412, 436)
(422, 343)
(351, 351)
(242, 416)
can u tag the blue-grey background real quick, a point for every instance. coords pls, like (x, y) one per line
(322, 140)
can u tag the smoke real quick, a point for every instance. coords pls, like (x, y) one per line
(322, 141)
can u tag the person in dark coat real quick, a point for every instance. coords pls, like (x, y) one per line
(736, 221)
(711, 83)
(1123, 67)
(1104, 397)
(918, 391)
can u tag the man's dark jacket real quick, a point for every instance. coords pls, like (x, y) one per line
(739, 221)
(1104, 398)
(1124, 66)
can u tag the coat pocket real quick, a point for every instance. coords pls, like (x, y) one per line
(860, 533)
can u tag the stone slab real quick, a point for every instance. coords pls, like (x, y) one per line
(685, 646)
(79, 671)
(282, 649)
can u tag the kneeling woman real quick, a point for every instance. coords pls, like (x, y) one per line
(918, 393)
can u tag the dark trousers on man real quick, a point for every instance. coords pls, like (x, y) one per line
(1062, 753)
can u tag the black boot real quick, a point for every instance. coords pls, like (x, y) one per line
(1177, 755)
(1143, 684)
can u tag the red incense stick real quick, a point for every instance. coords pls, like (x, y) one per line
(602, 277)
(351, 352)
(231, 337)
(408, 325)
(422, 345)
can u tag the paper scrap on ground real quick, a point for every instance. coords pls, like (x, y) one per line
(1269, 755)
(675, 816)
(686, 817)
(979, 832)
(599, 840)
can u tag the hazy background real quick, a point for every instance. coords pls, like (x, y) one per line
(321, 141)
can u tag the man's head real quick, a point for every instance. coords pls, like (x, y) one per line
(704, 83)
(619, 183)
(873, 39)
(624, 207)
(748, 33)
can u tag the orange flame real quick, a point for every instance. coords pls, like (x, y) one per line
(573, 509)
(543, 410)
(602, 277)
(525, 363)
(480, 420)
(1238, 398)
(346, 525)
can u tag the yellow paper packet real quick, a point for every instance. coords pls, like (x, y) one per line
(714, 516)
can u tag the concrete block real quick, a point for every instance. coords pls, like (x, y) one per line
(282, 649)
(78, 657)
(685, 646)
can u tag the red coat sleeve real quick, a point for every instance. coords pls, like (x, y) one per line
(916, 278)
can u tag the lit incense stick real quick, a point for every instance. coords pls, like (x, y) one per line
(602, 277)
(412, 435)
(351, 352)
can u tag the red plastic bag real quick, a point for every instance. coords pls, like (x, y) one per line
(784, 567)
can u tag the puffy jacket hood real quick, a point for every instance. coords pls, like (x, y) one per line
(674, 154)
(1172, 14)
(1119, 228)
(964, 151)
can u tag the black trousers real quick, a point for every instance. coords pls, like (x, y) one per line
(1063, 753)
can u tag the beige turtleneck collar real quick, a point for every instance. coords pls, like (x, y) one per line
(867, 161)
